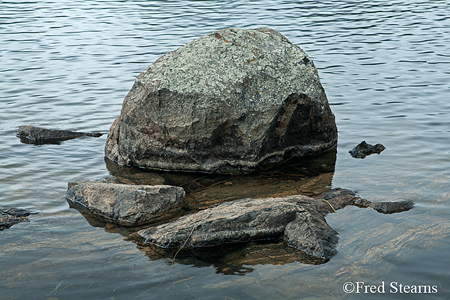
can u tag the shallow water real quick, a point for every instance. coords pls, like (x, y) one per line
(385, 66)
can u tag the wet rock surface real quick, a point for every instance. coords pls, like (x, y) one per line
(339, 198)
(12, 216)
(127, 205)
(295, 218)
(392, 207)
(298, 220)
(38, 135)
(296, 196)
(363, 149)
(229, 102)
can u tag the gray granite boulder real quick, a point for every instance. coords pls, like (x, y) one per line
(228, 102)
(128, 205)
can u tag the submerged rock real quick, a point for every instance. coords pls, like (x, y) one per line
(339, 198)
(228, 102)
(294, 218)
(12, 216)
(392, 207)
(127, 205)
(38, 135)
(364, 149)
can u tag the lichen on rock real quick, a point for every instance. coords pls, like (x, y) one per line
(228, 102)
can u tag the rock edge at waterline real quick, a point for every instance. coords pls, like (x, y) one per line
(12, 216)
(296, 218)
(124, 204)
(39, 135)
(299, 220)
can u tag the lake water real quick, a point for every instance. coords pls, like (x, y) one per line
(385, 66)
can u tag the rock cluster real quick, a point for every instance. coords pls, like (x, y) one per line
(298, 220)
(229, 102)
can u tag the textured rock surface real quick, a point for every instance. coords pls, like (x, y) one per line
(339, 198)
(38, 135)
(299, 220)
(227, 102)
(294, 217)
(310, 233)
(128, 205)
(363, 149)
(12, 216)
(392, 207)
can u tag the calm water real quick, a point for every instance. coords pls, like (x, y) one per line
(385, 66)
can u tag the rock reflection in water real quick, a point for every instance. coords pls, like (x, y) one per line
(309, 176)
(233, 259)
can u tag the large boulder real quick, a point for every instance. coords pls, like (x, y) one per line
(128, 205)
(228, 102)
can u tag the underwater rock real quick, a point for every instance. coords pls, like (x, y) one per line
(392, 207)
(364, 149)
(38, 135)
(12, 216)
(339, 198)
(127, 205)
(228, 102)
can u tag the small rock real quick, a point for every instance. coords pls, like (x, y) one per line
(38, 135)
(364, 149)
(127, 205)
(392, 207)
(12, 216)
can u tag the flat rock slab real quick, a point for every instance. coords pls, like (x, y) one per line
(127, 205)
(38, 135)
(299, 220)
(295, 218)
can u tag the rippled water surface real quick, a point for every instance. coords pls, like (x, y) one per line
(385, 66)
